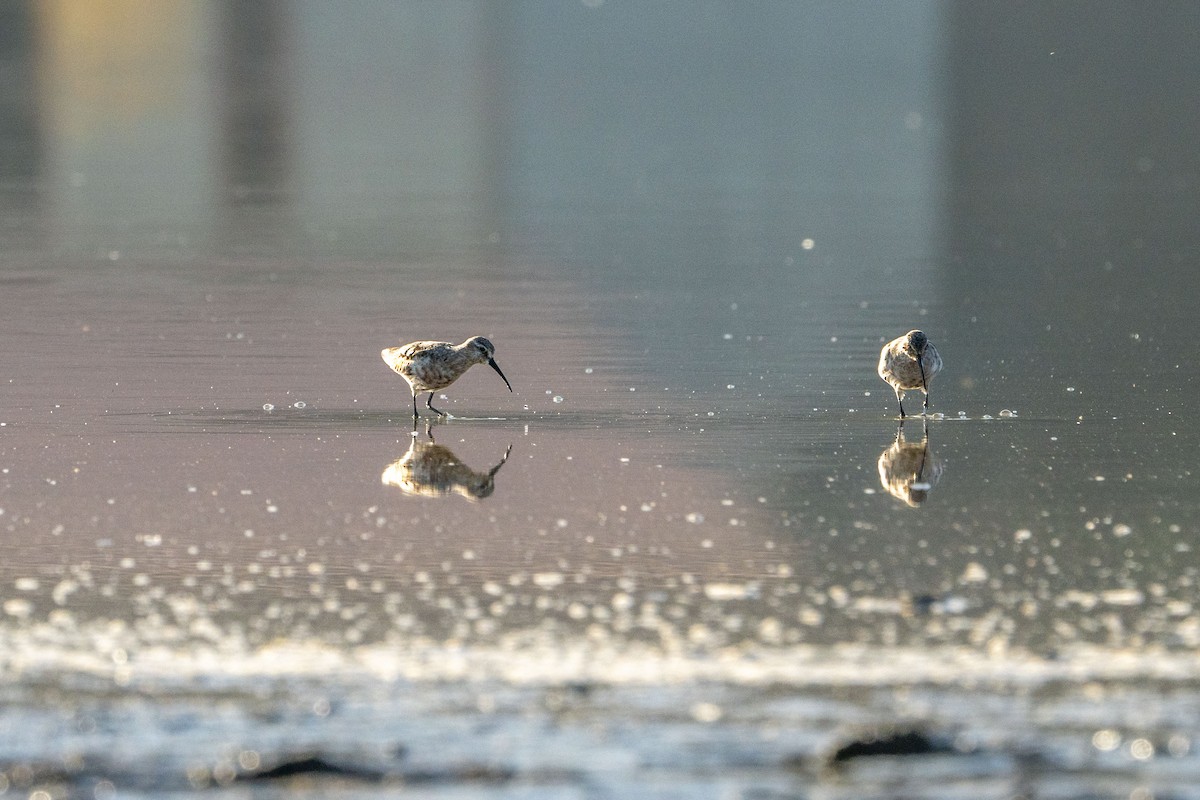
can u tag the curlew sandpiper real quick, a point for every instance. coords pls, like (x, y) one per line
(908, 363)
(431, 366)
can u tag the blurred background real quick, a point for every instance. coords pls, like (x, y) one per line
(688, 227)
(970, 150)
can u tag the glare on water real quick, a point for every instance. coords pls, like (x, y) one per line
(693, 540)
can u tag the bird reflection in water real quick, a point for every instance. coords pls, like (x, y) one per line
(909, 470)
(429, 469)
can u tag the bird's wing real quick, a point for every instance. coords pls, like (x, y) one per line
(414, 349)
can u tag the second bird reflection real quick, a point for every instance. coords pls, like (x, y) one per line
(429, 469)
(909, 470)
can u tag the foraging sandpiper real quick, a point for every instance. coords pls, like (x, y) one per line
(908, 363)
(430, 366)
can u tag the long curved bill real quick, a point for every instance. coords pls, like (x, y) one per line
(492, 363)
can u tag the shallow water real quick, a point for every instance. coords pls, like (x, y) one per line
(695, 552)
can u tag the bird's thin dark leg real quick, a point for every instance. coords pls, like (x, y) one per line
(900, 400)
(429, 403)
(924, 387)
(415, 414)
(492, 472)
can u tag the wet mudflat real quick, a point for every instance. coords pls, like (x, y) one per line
(695, 553)
(639, 574)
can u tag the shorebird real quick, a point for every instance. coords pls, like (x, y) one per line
(430, 366)
(908, 363)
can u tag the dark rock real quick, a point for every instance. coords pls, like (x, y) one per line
(312, 766)
(889, 743)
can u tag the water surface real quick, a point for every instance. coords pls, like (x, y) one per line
(695, 552)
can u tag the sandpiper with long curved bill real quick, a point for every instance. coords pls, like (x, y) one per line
(910, 362)
(432, 366)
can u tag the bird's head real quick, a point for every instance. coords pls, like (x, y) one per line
(917, 340)
(485, 353)
(481, 348)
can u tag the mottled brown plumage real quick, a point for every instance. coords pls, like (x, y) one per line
(430, 366)
(908, 363)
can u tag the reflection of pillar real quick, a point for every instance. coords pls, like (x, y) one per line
(1073, 176)
(1073, 130)
(254, 73)
(121, 105)
(20, 137)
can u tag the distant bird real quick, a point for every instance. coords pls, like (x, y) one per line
(431, 366)
(908, 363)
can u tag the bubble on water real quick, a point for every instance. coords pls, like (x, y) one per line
(706, 712)
(1070, 388)
(1005, 412)
(730, 386)
(587, 370)
(986, 416)
(728, 591)
(268, 407)
(548, 580)
(557, 398)
(18, 608)
(526, 406)
(808, 244)
(974, 573)
(694, 517)
(299, 404)
(1106, 740)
